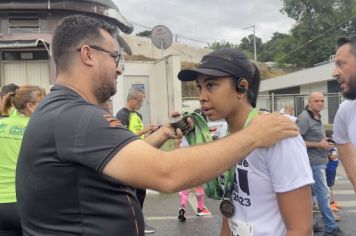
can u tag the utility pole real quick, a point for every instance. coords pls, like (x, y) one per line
(253, 27)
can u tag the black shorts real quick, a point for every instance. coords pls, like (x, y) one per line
(9, 220)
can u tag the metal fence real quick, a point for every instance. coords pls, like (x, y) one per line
(275, 102)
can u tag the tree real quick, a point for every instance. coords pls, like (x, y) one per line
(222, 44)
(318, 24)
(278, 46)
(247, 44)
(146, 33)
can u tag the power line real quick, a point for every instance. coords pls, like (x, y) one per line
(178, 35)
(317, 37)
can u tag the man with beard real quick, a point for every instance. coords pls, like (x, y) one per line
(345, 119)
(78, 165)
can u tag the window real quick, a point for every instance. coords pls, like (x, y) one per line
(27, 55)
(23, 23)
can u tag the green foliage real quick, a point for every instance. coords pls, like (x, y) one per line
(314, 35)
(247, 44)
(146, 33)
(276, 47)
(319, 23)
(223, 44)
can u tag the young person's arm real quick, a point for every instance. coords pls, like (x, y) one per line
(225, 229)
(296, 210)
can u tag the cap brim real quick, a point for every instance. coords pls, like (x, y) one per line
(192, 74)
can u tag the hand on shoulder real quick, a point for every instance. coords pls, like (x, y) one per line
(269, 128)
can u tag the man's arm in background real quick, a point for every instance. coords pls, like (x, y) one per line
(347, 155)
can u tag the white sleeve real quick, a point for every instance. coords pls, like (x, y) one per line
(223, 130)
(184, 143)
(340, 133)
(288, 165)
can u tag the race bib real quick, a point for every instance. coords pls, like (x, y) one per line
(240, 228)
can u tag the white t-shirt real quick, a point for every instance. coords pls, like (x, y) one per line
(345, 123)
(265, 172)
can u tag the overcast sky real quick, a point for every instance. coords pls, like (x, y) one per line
(208, 20)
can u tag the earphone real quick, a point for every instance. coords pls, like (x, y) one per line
(240, 88)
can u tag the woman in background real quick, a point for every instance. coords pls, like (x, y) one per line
(24, 100)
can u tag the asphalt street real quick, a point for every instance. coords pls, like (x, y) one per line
(161, 212)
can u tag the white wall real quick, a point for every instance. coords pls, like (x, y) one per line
(299, 78)
(164, 87)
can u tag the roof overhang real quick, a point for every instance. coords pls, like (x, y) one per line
(303, 77)
(103, 8)
(10, 44)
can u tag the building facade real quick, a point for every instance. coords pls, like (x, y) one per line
(26, 29)
(293, 89)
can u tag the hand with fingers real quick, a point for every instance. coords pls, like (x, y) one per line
(270, 128)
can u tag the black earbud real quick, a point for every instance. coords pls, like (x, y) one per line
(241, 89)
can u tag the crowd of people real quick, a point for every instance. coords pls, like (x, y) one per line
(17, 106)
(69, 140)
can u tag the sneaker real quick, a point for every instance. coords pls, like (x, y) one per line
(181, 213)
(336, 232)
(337, 205)
(149, 229)
(336, 217)
(317, 227)
(333, 207)
(203, 212)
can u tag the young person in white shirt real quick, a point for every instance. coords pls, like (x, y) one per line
(271, 191)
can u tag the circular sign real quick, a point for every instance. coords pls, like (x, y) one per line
(161, 37)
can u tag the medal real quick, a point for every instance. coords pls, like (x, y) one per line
(227, 208)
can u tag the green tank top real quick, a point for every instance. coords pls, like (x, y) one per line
(11, 133)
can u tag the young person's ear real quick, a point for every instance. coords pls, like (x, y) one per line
(242, 85)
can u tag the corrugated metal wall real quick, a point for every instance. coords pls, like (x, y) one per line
(25, 72)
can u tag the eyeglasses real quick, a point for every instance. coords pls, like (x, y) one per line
(115, 55)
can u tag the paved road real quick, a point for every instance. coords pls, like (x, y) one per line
(161, 211)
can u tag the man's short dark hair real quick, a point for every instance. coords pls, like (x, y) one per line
(9, 88)
(347, 40)
(71, 32)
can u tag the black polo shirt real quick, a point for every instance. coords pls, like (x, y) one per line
(60, 187)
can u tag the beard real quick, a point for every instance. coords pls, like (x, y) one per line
(105, 90)
(351, 93)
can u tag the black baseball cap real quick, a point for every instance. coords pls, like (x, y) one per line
(222, 62)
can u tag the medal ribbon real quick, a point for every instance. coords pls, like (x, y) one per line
(230, 174)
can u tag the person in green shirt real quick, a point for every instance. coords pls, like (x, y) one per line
(24, 100)
(8, 88)
(132, 120)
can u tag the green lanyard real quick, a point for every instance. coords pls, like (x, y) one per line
(230, 174)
